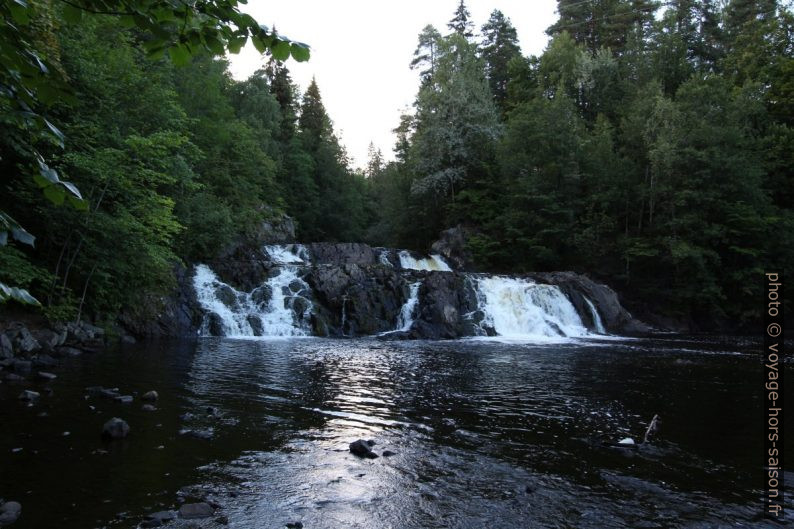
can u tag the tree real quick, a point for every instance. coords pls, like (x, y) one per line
(499, 47)
(460, 23)
(425, 55)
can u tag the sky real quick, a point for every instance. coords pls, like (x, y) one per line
(361, 51)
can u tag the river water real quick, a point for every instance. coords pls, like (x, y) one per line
(486, 434)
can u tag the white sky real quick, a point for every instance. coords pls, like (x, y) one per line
(361, 50)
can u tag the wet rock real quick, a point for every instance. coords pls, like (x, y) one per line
(6, 347)
(124, 399)
(13, 377)
(28, 395)
(148, 407)
(115, 428)
(44, 360)
(48, 339)
(389, 453)
(44, 375)
(22, 366)
(9, 512)
(197, 434)
(22, 340)
(362, 448)
(160, 518)
(256, 324)
(342, 254)
(295, 525)
(452, 246)
(150, 396)
(191, 511)
(68, 351)
(222, 520)
(147, 524)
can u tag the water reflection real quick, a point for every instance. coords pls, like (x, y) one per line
(484, 433)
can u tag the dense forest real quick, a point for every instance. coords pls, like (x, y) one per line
(651, 146)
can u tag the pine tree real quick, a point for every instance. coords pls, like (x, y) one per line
(499, 47)
(461, 23)
(426, 53)
(314, 122)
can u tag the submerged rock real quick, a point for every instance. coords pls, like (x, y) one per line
(9, 512)
(363, 448)
(115, 428)
(28, 395)
(190, 511)
(150, 396)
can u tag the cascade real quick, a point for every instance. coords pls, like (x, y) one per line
(434, 262)
(406, 317)
(516, 307)
(599, 325)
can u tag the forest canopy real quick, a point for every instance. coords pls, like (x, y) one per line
(649, 146)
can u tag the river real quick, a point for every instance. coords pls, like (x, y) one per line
(486, 434)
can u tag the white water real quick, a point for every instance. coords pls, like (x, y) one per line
(520, 308)
(434, 262)
(599, 325)
(286, 313)
(286, 254)
(383, 257)
(406, 317)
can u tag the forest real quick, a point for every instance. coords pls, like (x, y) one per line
(650, 146)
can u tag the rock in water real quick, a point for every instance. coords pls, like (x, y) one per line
(9, 512)
(28, 395)
(150, 396)
(115, 428)
(190, 511)
(362, 448)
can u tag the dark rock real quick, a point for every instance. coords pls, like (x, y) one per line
(128, 339)
(13, 377)
(389, 453)
(362, 448)
(150, 396)
(9, 512)
(256, 324)
(22, 366)
(191, 511)
(44, 360)
(28, 395)
(148, 407)
(197, 434)
(340, 254)
(295, 525)
(46, 376)
(222, 520)
(48, 339)
(124, 399)
(22, 340)
(153, 522)
(452, 246)
(115, 428)
(68, 351)
(6, 347)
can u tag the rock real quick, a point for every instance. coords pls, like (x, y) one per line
(44, 360)
(150, 396)
(28, 395)
(148, 407)
(48, 339)
(452, 246)
(295, 525)
(147, 524)
(9, 512)
(222, 520)
(46, 376)
(68, 351)
(162, 517)
(340, 254)
(22, 366)
(128, 339)
(22, 340)
(362, 448)
(389, 453)
(197, 434)
(115, 428)
(12, 377)
(191, 511)
(6, 347)
(124, 399)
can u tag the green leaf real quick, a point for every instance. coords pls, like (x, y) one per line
(280, 50)
(55, 194)
(79, 204)
(258, 44)
(236, 43)
(300, 51)
(180, 55)
(72, 14)
(19, 13)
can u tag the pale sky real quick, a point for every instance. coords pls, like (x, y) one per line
(361, 50)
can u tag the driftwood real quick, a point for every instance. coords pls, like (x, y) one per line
(651, 428)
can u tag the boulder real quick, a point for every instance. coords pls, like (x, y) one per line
(150, 396)
(29, 395)
(22, 340)
(452, 246)
(6, 347)
(191, 511)
(115, 428)
(9, 512)
(48, 339)
(362, 448)
(343, 253)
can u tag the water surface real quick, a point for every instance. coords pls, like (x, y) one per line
(487, 434)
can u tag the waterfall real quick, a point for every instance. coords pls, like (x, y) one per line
(434, 262)
(599, 325)
(406, 317)
(383, 257)
(516, 307)
(282, 306)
